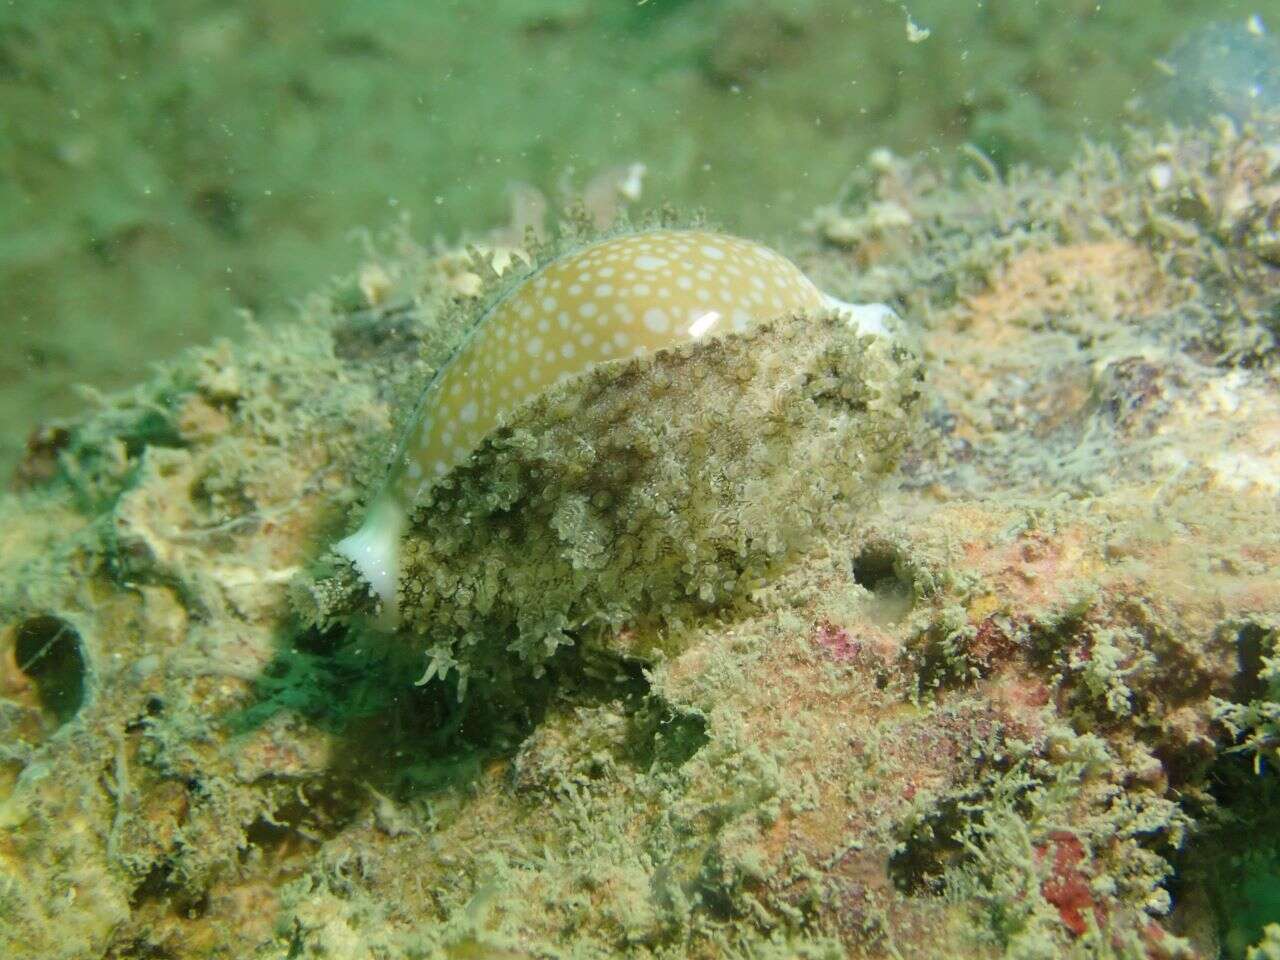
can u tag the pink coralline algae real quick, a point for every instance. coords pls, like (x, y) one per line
(1067, 886)
(837, 643)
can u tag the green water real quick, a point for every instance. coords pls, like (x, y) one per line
(166, 165)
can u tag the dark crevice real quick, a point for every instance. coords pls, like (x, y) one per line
(884, 572)
(48, 651)
(1249, 684)
(161, 886)
(1230, 869)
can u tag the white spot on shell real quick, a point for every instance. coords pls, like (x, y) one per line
(657, 320)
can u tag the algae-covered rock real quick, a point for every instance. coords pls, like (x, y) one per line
(649, 493)
(737, 685)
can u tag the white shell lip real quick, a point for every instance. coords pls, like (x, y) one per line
(374, 550)
(878, 319)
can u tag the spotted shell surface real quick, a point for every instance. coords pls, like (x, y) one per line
(618, 298)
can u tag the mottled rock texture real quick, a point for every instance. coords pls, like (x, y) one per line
(1022, 703)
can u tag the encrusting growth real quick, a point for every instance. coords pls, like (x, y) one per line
(622, 297)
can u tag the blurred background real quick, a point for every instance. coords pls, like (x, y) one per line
(167, 164)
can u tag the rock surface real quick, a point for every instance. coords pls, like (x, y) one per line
(1024, 703)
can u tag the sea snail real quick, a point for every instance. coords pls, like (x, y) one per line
(614, 299)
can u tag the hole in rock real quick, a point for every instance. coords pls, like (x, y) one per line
(47, 649)
(881, 569)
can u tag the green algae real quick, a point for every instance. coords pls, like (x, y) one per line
(1256, 721)
(651, 494)
(900, 737)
